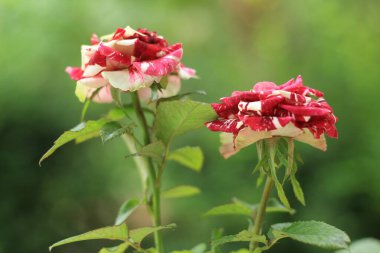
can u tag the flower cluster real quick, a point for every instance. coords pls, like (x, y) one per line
(128, 60)
(289, 110)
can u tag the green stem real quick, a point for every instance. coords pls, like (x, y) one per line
(260, 214)
(154, 204)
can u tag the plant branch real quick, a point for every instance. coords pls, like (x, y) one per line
(154, 204)
(259, 217)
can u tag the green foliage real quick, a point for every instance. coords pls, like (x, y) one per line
(117, 249)
(297, 189)
(154, 150)
(137, 235)
(312, 232)
(190, 157)
(230, 209)
(181, 192)
(200, 248)
(132, 237)
(112, 130)
(243, 236)
(126, 209)
(365, 245)
(83, 131)
(110, 233)
(178, 117)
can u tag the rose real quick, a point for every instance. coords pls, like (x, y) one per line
(289, 110)
(127, 60)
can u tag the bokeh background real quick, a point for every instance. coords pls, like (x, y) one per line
(232, 44)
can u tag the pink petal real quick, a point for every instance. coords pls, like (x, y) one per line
(119, 33)
(114, 55)
(225, 125)
(162, 66)
(264, 106)
(172, 89)
(264, 86)
(94, 39)
(306, 110)
(264, 123)
(128, 79)
(93, 82)
(186, 73)
(75, 73)
(104, 95)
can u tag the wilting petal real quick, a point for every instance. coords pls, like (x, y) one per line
(93, 82)
(246, 137)
(308, 138)
(290, 130)
(227, 147)
(75, 73)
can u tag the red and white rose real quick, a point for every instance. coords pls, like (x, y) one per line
(128, 60)
(289, 110)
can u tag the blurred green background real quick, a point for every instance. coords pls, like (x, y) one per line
(335, 45)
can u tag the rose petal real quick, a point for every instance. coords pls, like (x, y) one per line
(92, 70)
(225, 125)
(264, 86)
(186, 73)
(306, 110)
(162, 66)
(227, 147)
(126, 46)
(128, 79)
(264, 123)
(172, 89)
(93, 82)
(308, 138)
(246, 137)
(114, 55)
(75, 73)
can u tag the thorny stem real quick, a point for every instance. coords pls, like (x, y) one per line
(153, 204)
(260, 214)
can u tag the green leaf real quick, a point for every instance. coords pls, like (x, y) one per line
(83, 131)
(112, 130)
(312, 232)
(126, 209)
(278, 185)
(230, 209)
(181, 192)
(190, 157)
(182, 95)
(243, 236)
(137, 235)
(110, 233)
(274, 206)
(154, 150)
(365, 245)
(174, 118)
(297, 189)
(200, 248)
(117, 249)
